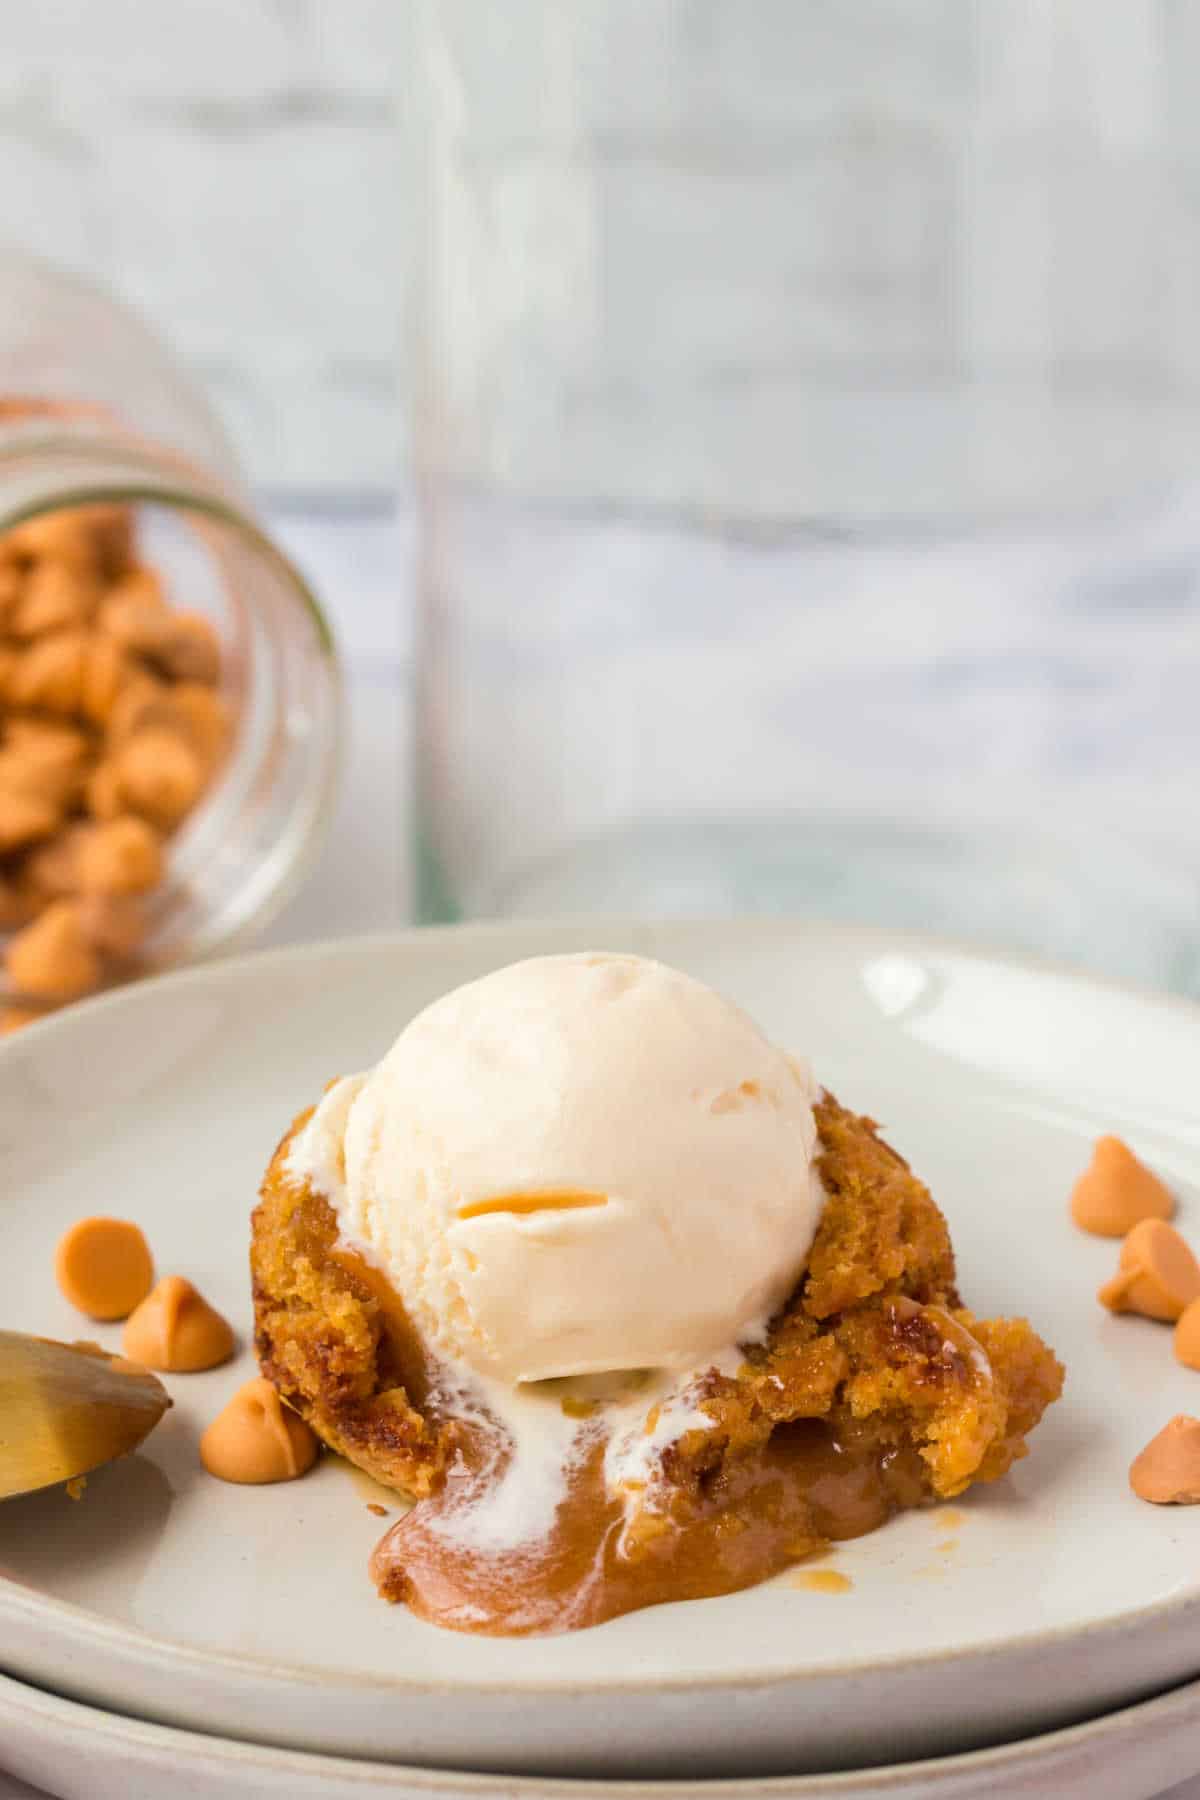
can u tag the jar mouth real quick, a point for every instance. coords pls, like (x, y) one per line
(255, 834)
(183, 500)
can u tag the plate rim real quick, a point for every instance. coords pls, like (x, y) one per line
(990, 1759)
(95, 1630)
(408, 936)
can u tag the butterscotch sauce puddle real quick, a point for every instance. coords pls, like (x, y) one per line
(555, 1513)
(604, 1555)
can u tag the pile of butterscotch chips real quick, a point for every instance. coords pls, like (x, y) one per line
(111, 729)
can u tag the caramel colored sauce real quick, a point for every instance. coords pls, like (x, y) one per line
(367, 1488)
(522, 1205)
(607, 1553)
(761, 1515)
(822, 1581)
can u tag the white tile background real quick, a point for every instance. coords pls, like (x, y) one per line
(229, 166)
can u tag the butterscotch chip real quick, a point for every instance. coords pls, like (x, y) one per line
(159, 777)
(174, 1328)
(18, 903)
(110, 529)
(48, 676)
(114, 923)
(15, 1018)
(96, 540)
(1187, 1336)
(47, 744)
(104, 1267)
(122, 856)
(52, 869)
(12, 580)
(62, 537)
(205, 718)
(24, 818)
(1167, 1471)
(24, 771)
(51, 959)
(134, 612)
(256, 1439)
(106, 670)
(105, 710)
(102, 792)
(142, 701)
(1157, 1275)
(1117, 1191)
(54, 597)
(188, 649)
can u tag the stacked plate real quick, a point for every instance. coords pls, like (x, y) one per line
(171, 1634)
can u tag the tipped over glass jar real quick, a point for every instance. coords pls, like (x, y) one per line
(169, 691)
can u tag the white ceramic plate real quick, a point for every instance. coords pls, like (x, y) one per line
(248, 1611)
(78, 1753)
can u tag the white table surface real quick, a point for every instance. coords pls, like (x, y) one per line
(359, 563)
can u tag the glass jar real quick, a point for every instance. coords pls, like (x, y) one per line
(94, 410)
(806, 423)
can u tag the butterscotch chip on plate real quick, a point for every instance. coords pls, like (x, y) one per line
(103, 1266)
(15, 1018)
(175, 1329)
(1167, 1471)
(1187, 1336)
(1116, 1192)
(257, 1440)
(1157, 1275)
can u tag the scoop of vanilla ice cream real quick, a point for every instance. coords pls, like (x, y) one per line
(578, 1163)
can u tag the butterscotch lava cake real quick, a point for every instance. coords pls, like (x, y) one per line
(628, 1305)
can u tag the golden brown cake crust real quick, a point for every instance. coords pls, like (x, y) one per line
(875, 1341)
(319, 1331)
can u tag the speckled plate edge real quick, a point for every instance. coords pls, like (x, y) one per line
(82, 1753)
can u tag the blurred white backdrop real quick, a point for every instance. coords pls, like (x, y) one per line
(229, 167)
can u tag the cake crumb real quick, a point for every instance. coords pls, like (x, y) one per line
(76, 1486)
(381, 1512)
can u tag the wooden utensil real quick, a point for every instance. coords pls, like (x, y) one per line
(64, 1410)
